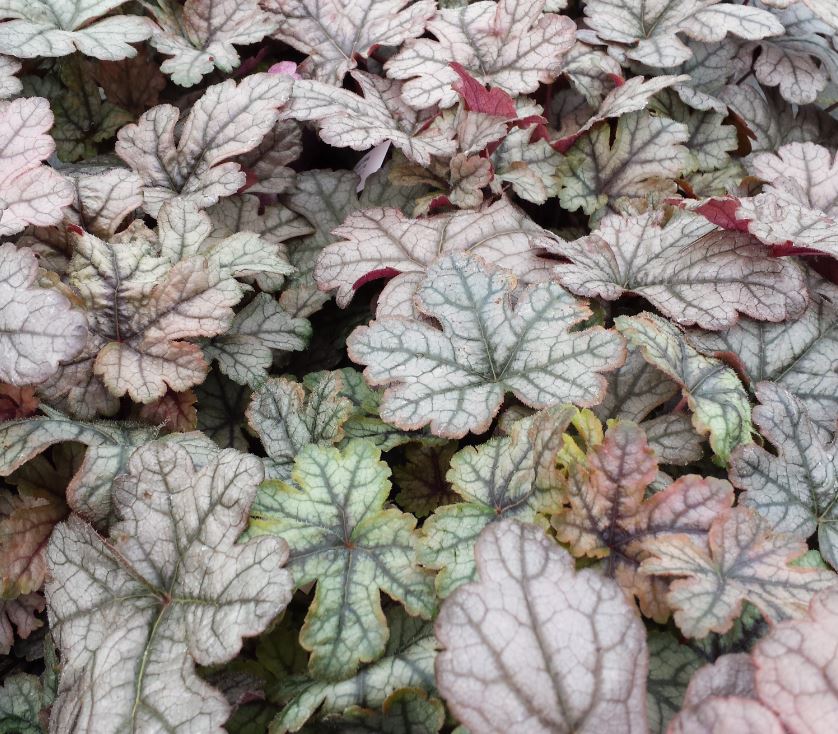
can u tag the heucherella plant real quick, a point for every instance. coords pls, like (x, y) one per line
(428, 366)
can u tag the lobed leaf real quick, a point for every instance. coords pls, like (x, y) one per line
(133, 614)
(455, 378)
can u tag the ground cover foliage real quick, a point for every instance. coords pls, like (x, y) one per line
(419, 366)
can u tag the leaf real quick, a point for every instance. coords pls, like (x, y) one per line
(422, 481)
(782, 686)
(646, 155)
(17, 402)
(287, 417)
(690, 270)
(110, 445)
(142, 308)
(742, 561)
(333, 34)
(174, 412)
(340, 537)
(549, 649)
(713, 392)
(170, 588)
(61, 27)
(38, 327)
(133, 84)
(376, 242)
(506, 477)
(25, 526)
(32, 193)
(609, 518)
(650, 31)
(21, 703)
(794, 667)
(347, 120)
(18, 616)
(9, 84)
(796, 489)
(200, 35)
(795, 354)
(529, 166)
(407, 661)
(244, 351)
(801, 61)
(265, 165)
(455, 378)
(83, 119)
(670, 667)
(405, 711)
(193, 161)
(508, 44)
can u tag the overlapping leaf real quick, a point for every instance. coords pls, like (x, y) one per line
(407, 660)
(200, 35)
(690, 270)
(644, 157)
(192, 160)
(32, 193)
(608, 517)
(796, 490)
(713, 392)
(509, 44)
(455, 378)
(39, 328)
(348, 120)
(383, 242)
(796, 354)
(169, 588)
(342, 538)
(743, 560)
(650, 30)
(61, 27)
(334, 32)
(784, 685)
(110, 445)
(506, 477)
(548, 649)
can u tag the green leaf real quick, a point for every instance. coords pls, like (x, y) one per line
(342, 538)
(21, 703)
(502, 478)
(407, 661)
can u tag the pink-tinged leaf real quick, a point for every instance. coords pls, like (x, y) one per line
(38, 327)
(26, 523)
(650, 30)
(61, 27)
(32, 192)
(787, 684)
(743, 560)
(720, 210)
(534, 646)
(200, 35)
(686, 267)
(477, 98)
(803, 174)
(175, 411)
(289, 68)
(455, 377)
(609, 518)
(192, 159)
(168, 589)
(348, 120)
(18, 616)
(381, 239)
(508, 44)
(797, 669)
(334, 32)
(17, 402)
